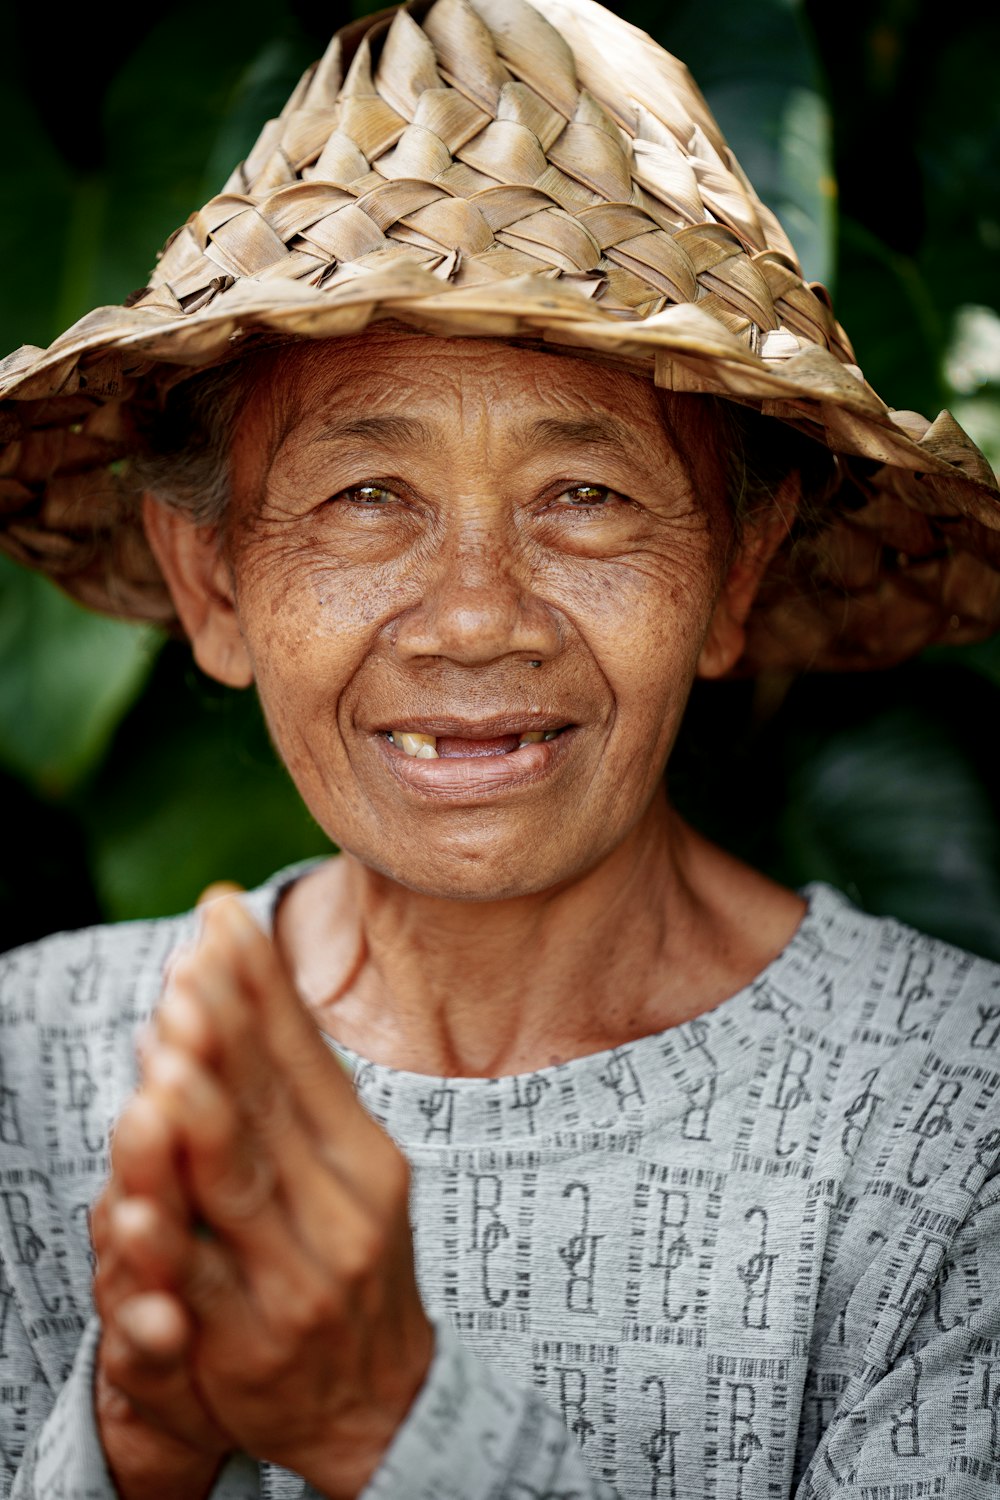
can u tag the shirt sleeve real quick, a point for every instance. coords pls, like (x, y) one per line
(927, 1422)
(474, 1433)
(62, 1457)
(471, 1433)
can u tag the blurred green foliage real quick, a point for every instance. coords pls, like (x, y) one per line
(129, 782)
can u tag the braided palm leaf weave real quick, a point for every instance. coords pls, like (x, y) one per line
(492, 168)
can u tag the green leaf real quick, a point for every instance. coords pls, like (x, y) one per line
(898, 331)
(756, 67)
(895, 811)
(36, 185)
(68, 678)
(192, 792)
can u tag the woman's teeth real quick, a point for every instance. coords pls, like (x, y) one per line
(424, 746)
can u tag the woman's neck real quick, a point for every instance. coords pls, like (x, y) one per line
(477, 989)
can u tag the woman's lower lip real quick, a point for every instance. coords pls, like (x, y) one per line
(468, 775)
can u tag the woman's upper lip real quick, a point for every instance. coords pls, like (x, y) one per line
(493, 727)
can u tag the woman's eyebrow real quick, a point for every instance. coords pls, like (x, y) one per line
(395, 430)
(595, 432)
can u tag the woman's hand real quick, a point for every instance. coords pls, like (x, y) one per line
(298, 1309)
(157, 1435)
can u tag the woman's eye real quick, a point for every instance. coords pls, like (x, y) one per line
(366, 494)
(588, 494)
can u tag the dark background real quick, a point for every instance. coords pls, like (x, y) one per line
(127, 781)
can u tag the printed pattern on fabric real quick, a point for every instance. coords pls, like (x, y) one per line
(754, 1257)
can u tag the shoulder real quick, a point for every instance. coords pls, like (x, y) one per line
(70, 1010)
(96, 976)
(910, 1043)
(109, 975)
(886, 986)
(71, 1007)
(908, 1167)
(895, 1035)
(885, 1075)
(912, 1026)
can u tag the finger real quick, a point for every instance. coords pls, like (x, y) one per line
(320, 1089)
(139, 1253)
(207, 982)
(232, 1179)
(112, 1283)
(218, 888)
(148, 1243)
(149, 1166)
(287, 1028)
(157, 1327)
(181, 1021)
(97, 1218)
(292, 1226)
(144, 1156)
(327, 1220)
(199, 1272)
(145, 1354)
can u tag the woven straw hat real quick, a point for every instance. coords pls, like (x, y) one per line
(542, 172)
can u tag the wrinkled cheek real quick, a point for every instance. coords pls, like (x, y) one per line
(357, 604)
(299, 710)
(652, 667)
(300, 669)
(645, 635)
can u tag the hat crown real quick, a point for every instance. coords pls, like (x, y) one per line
(487, 140)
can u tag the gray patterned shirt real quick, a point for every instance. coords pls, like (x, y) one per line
(752, 1257)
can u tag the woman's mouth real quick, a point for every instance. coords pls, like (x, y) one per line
(435, 747)
(473, 761)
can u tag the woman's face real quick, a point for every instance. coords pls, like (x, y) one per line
(469, 543)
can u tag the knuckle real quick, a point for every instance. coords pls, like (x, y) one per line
(239, 1024)
(363, 1251)
(206, 1282)
(263, 1364)
(316, 1306)
(273, 1116)
(242, 1193)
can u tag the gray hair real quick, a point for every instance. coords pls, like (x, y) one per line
(183, 458)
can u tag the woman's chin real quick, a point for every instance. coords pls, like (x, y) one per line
(471, 875)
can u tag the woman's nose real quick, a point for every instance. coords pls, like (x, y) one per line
(478, 605)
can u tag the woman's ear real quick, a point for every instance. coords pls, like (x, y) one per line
(763, 535)
(200, 584)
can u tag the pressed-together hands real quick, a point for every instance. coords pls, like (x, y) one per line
(255, 1275)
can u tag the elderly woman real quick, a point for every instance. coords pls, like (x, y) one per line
(482, 413)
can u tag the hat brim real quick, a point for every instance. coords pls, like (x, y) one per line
(910, 554)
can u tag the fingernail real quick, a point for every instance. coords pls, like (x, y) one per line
(216, 889)
(130, 1217)
(235, 918)
(151, 1323)
(166, 1067)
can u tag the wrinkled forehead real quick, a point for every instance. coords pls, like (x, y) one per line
(389, 363)
(403, 383)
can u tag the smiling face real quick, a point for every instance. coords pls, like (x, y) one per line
(473, 584)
